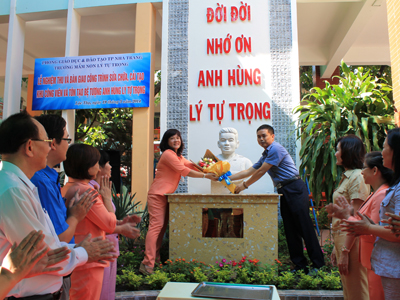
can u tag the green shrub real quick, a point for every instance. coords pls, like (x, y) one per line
(242, 276)
(225, 275)
(245, 271)
(264, 277)
(180, 265)
(130, 279)
(199, 275)
(286, 281)
(157, 280)
(177, 277)
(130, 259)
(330, 281)
(307, 282)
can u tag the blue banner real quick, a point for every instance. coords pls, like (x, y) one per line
(87, 82)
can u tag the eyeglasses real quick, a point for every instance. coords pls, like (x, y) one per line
(69, 140)
(47, 141)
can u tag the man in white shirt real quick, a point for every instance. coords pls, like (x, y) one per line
(24, 147)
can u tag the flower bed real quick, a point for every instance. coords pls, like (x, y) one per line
(245, 270)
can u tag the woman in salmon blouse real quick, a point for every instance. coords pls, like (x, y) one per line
(379, 177)
(81, 166)
(171, 166)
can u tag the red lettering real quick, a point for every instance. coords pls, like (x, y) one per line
(210, 15)
(240, 111)
(249, 110)
(39, 94)
(218, 45)
(247, 44)
(257, 76)
(266, 111)
(211, 107)
(210, 46)
(218, 77)
(248, 75)
(201, 78)
(210, 78)
(231, 77)
(232, 106)
(191, 113)
(258, 111)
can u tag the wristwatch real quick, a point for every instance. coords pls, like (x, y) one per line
(344, 249)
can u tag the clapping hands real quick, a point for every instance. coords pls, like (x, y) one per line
(128, 226)
(98, 249)
(357, 227)
(105, 188)
(393, 223)
(79, 206)
(33, 257)
(341, 209)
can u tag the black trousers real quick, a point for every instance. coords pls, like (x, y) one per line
(298, 225)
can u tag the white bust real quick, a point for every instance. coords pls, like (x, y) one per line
(228, 142)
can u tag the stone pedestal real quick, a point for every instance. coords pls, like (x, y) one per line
(255, 232)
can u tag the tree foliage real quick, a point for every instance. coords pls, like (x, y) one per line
(110, 129)
(360, 104)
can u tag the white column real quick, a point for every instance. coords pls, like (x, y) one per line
(14, 62)
(72, 49)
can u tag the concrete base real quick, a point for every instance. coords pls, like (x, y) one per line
(260, 228)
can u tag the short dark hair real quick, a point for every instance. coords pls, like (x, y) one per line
(393, 140)
(164, 141)
(374, 159)
(54, 125)
(104, 158)
(15, 131)
(353, 151)
(80, 158)
(268, 127)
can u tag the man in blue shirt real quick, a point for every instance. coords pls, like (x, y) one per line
(294, 200)
(47, 182)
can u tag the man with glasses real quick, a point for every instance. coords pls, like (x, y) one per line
(24, 148)
(47, 181)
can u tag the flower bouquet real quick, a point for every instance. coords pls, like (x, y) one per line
(211, 164)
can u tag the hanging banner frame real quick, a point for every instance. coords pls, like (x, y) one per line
(92, 82)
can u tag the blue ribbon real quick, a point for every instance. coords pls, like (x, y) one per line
(225, 177)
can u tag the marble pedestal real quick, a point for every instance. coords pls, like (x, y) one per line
(259, 228)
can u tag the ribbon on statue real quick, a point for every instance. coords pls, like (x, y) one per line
(225, 177)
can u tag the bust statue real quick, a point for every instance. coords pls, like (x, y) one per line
(228, 142)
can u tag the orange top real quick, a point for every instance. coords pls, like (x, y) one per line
(98, 220)
(370, 208)
(170, 168)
